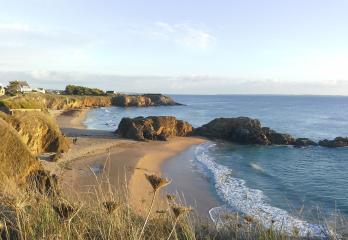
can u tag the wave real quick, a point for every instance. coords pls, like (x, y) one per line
(257, 167)
(251, 201)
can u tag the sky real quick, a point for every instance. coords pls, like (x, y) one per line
(181, 46)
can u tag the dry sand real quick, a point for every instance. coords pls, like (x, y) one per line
(101, 156)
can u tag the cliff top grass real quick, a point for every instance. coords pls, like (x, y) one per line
(38, 131)
(52, 101)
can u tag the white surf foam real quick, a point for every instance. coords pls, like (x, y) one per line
(252, 201)
(257, 167)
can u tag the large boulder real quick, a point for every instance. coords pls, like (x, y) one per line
(152, 128)
(241, 130)
(337, 142)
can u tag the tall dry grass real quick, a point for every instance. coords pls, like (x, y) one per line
(107, 214)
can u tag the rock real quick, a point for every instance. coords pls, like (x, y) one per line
(304, 142)
(153, 128)
(337, 142)
(278, 138)
(146, 100)
(242, 130)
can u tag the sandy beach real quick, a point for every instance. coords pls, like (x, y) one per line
(99, 158)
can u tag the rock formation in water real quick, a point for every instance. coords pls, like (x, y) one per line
(337, 142)
(244, 130)
(145, 100)
(304, 142)
(153, 128)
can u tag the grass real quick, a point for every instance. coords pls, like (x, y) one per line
(53, 101)
(38, 131)
(107, 214)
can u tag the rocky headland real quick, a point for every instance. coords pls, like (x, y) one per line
(337, 142)
(66, 102)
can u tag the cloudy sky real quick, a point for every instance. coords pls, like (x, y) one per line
(181, 46)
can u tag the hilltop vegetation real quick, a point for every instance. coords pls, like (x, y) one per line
(84, 91)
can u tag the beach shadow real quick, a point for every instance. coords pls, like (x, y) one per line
(88, 133)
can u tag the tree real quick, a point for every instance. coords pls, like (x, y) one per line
(13, 88)
(78, 90)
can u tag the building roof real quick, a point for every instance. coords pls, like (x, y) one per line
(23, 83)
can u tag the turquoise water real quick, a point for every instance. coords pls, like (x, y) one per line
(270, 178)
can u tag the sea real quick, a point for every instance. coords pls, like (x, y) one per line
(283, 187)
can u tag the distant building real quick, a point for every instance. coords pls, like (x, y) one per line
(2, 90)
(40, 90)
(24, 87)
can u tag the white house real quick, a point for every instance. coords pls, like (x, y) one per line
(24, 87)
(40, 90)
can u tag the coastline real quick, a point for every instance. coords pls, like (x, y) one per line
(102, 156)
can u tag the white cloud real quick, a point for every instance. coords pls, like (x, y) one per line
(182, 34)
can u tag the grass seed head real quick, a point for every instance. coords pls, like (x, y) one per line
(180, 210)
(110, 206)
(157, 182)
(171, 197)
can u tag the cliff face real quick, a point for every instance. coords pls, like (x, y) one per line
(38, 131)
(65, 102)
(145, 100)
(153, 128)
(16, 160)
(55, 102)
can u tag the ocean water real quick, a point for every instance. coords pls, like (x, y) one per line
(288, 186)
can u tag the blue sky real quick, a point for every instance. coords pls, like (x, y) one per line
(182, 46)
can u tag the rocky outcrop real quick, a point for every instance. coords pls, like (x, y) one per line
(66, 102)
(241, 130)
(38, 131)
(145, 100)
(304, 142)
(337, 142)
(278, 138)
(152, 128)
(244, 130)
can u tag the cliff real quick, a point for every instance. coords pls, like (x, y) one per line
(16, 160)
(38, 131)
(65, 102)
(145, 100)
(153, 128)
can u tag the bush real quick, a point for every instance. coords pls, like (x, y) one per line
(79, 90)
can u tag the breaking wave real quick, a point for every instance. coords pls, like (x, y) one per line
(251, 201)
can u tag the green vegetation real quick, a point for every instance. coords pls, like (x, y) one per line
(83, 91)
(12, 88)
(53, 101)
